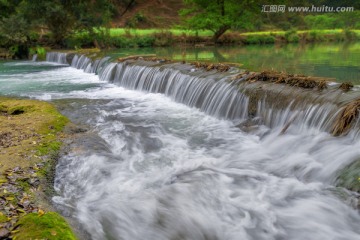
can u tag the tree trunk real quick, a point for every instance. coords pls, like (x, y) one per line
(219, 33)
(127, 7)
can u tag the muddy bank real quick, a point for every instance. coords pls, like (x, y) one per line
(30, 140)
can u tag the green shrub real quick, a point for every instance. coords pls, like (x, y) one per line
(163, 38)
(349, 35)
(291, 36)
(79, 40)
(145, 41)
(259, 39)
(123, 42)
(252, 39)
(322, 21)
(40, 51)
(267, 39)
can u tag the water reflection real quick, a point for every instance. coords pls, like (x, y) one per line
(333, 60)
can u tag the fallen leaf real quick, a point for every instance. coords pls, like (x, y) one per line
(20, 210)
(40, 212)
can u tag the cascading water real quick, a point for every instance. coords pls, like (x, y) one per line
(34, 57)
(151, 168)
(56, 57)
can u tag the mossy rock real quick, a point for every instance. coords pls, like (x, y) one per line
(349, 177)
(48, 226)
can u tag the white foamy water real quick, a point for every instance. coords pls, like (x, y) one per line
(151, 168)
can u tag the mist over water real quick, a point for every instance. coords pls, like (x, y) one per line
(152, 168)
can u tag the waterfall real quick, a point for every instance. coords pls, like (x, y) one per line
(150, 167)
(56, 57)
(86, 64)
(207, 91)
(219, 95)
(34, 57)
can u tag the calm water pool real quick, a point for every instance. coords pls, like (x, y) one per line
(334, 60)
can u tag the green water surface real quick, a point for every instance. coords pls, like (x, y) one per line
(333, 60)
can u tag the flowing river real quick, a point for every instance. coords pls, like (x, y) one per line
(160, 163)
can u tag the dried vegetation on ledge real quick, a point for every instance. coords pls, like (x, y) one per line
(211, 66)
(347, 117)
(294, 80)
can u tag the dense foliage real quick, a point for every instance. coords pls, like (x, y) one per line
(79, 23)
(249, 15)
(219, 15)
(50, 21)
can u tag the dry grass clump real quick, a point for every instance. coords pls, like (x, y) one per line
(136, 57)
(148, 57)
(211, 66)
(346, 118)
(290, 79)
(346, 86)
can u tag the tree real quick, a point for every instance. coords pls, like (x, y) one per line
(219, 15)
(62, 17)
(20, 18)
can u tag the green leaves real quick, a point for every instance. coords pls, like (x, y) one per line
(60, 17)
(218, 15)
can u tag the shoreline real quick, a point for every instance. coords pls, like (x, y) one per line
(165, 38)
(31, 134)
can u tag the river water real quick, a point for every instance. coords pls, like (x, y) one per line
(150, 167)
(333, 60)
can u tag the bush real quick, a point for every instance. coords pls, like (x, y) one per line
(322, 21)
(40, 51)
(145, 41)
(123, 42)
(259, 39)
(315, 36)
(163, 38)
(79, 40)
(349, 35)
(291, 36)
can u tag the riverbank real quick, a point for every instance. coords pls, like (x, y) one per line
(120, 38)
(137, 38)
(30, 139)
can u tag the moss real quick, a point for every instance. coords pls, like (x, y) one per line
(349, 177)
(28, 128)
(16, 110)
(48, 147)
(48, 226)
(3, 217)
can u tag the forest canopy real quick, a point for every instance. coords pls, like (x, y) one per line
(26, 23)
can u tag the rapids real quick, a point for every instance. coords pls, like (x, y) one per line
(168, 155)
